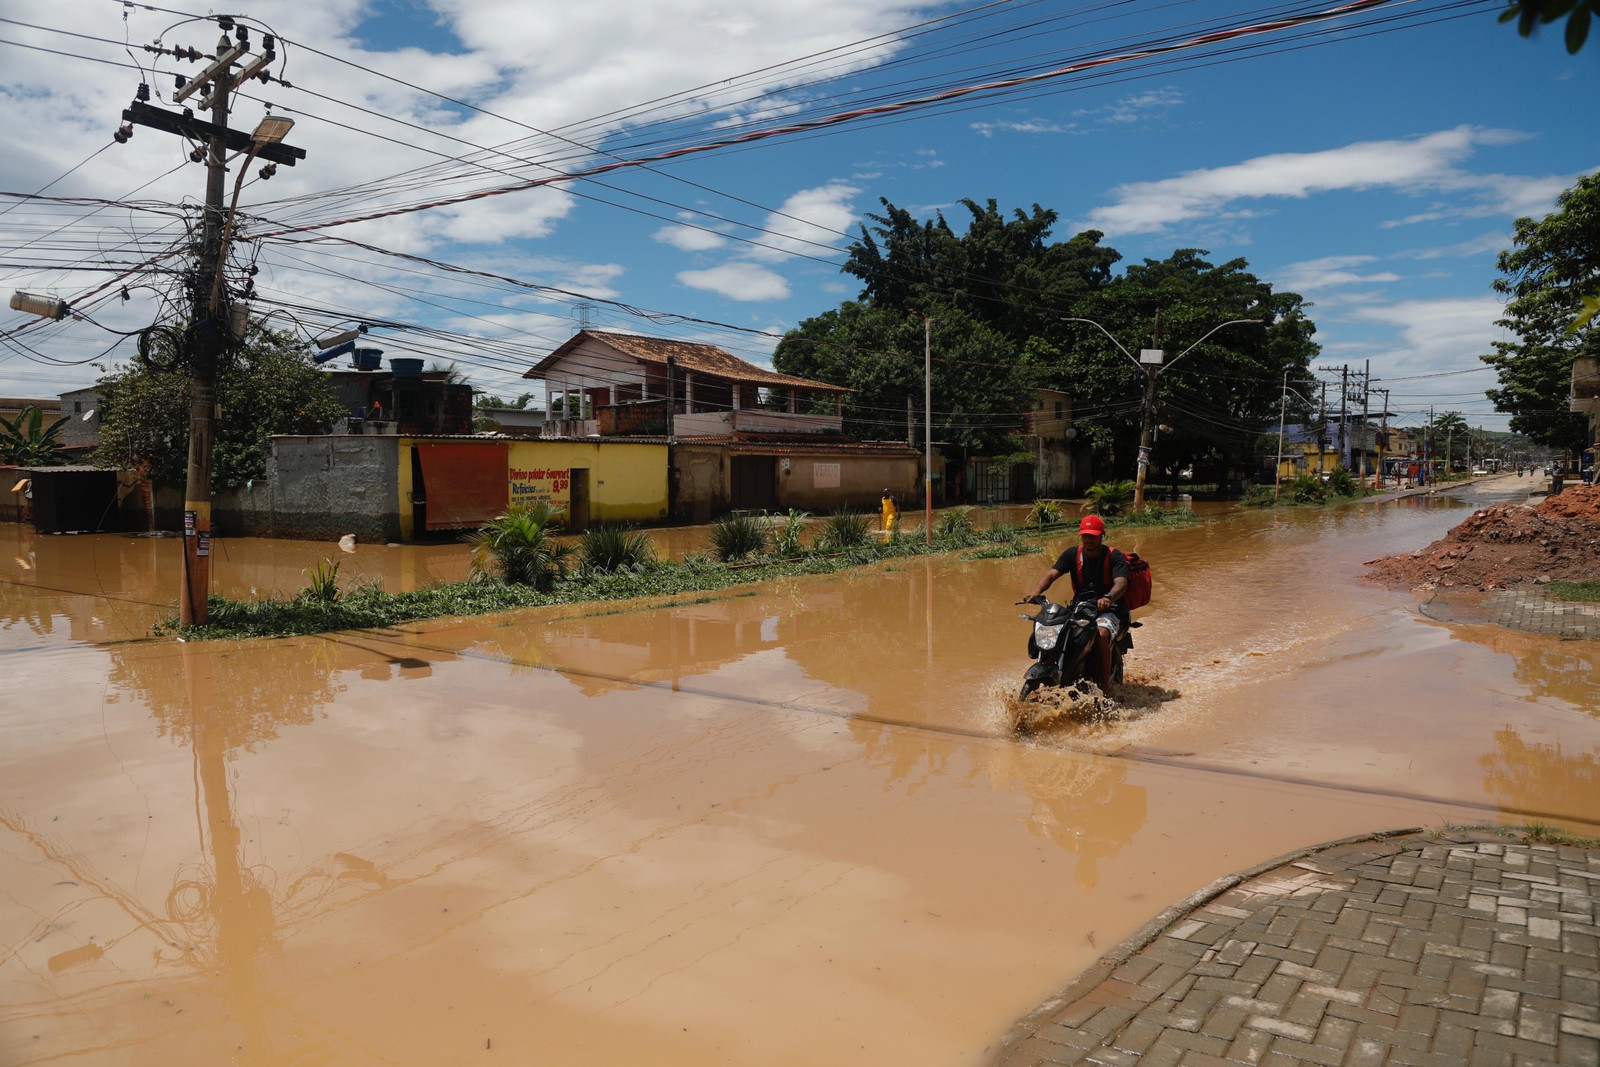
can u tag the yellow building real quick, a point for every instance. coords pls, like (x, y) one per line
(461, 483)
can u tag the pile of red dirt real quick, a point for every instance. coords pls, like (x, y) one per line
(1503, 545)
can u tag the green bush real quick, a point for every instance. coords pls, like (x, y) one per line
(1044, 513)
(608, 547)
(734, 537)
(1305, 489)
(1109, 498)
(1342, 483)
(1152, 515)
(519, 546)
(956, 523)
(844, 529)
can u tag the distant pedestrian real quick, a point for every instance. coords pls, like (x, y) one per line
(891, 512)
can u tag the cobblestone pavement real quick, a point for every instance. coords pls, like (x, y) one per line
(1392, 949)
(1519, 608)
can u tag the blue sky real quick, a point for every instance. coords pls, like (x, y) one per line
(1374, 164)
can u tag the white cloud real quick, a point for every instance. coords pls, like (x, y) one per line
(1499, 195)
(1128, 110)
(987, 129)
(738, 280)
(1474, 246)
(1435, 335)
(689, 238)
(811, 222)
(1328, 272)
(1419, 163)
(1138, 107)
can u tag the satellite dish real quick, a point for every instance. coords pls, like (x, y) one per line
(87, 415)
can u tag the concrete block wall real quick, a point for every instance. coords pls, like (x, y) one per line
(321, 488)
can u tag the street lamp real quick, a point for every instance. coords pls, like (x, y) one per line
(269, 131)
(1283, 408)
(1151, 365)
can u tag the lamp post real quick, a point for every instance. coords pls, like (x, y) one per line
(1150, 364)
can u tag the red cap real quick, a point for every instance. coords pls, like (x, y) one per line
(1092, 524)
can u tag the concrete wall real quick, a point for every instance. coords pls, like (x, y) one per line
(818, 483)
(79, 432)
(319, 489)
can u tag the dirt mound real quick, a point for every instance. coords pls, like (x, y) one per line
(1503, 545)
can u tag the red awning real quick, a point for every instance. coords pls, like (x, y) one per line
(464, 485)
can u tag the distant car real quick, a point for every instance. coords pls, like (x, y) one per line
(1479, 470)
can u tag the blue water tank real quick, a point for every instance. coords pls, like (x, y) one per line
(406, 368)
(367, 358)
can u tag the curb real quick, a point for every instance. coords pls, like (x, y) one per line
(1101, 969)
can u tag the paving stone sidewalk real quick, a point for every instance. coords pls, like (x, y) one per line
(1402, 948)
(1528, 608)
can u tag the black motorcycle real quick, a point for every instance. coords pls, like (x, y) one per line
(1062, 643)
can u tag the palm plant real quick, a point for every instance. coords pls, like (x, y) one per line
(606, 548)
(1109, 498)
(26, 442)
(1044, 513)
(845, 529)
(733, 537)
(519, 545)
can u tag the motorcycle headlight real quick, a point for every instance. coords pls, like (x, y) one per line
(1046, 636)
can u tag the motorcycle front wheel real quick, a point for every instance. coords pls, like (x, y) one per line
(1028, 686)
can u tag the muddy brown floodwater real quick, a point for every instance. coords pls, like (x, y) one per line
(785, 825)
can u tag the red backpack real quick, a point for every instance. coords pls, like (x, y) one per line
(1137, 595)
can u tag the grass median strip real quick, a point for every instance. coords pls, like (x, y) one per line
(324, 607)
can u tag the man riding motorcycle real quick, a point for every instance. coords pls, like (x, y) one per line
(1086, 566)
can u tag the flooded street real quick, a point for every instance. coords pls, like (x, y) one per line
(784, 824)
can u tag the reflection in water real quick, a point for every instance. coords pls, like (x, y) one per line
(1540, 777)
(1567, 672)
(1082, 803)
(265, 688)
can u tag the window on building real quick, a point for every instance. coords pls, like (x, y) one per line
(77, 407)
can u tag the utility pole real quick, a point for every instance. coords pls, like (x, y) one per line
(210, 332)
(927, 430)
(1322, 432)
(1344, 422)
(1366, 395)
(1151, 362)
(1383, 435)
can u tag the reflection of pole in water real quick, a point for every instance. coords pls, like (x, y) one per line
(239, 908)
(1082, 803)
(927, 565)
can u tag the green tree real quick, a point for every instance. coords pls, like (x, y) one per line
(1553, 268)
(25, 441)
(482, 420)
(1001, 271)
(1219, 398)
(1448, 437)
(1532, 13)
(271, 387)
(978, 392)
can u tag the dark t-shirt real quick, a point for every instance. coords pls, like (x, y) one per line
(1094, 570)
